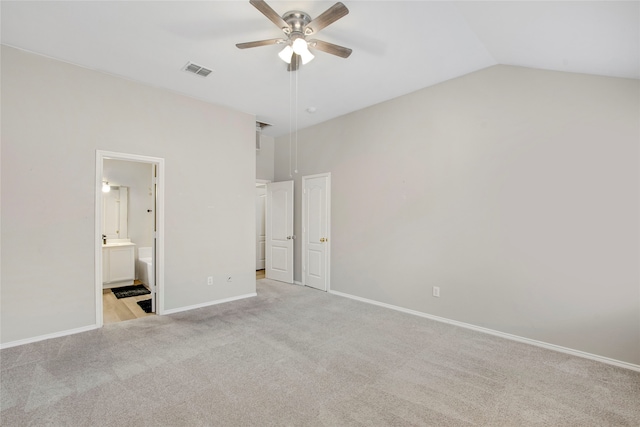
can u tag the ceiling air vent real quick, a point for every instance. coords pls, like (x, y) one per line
(197, 69)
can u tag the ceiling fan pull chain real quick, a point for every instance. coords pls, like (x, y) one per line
(290, 120)
(296, 165)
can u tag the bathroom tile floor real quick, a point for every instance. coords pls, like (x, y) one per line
(118, 310)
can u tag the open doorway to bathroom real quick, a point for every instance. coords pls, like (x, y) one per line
(129, 250)
(261, 200)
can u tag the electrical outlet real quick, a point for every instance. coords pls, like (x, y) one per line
(210, 280)
(229, 279)
(436, 291)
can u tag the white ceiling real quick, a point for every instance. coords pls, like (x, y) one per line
(398, 46)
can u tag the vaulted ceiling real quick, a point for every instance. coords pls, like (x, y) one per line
(398, 47)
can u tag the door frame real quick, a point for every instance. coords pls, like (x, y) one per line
(262, 183)
(304, 227)
(159, 237)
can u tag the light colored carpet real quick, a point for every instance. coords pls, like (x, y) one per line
(297, 356)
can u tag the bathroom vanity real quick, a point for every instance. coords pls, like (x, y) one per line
(118, 263)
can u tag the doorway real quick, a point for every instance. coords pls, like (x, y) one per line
(129, 219)
(261, 204)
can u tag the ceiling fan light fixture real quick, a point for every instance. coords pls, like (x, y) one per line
(286, 53)
(306, 57)
(300, 46)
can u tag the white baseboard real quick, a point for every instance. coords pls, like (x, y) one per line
(48, 336)
(207, 304)
(511, 337)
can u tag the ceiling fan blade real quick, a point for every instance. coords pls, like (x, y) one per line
(295, 62)
(259, 43)
(334, 49)
(267, 11)
(329, 16)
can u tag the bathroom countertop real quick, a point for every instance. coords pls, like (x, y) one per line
(117, 242)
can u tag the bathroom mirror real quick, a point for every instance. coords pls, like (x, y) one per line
(114, 217)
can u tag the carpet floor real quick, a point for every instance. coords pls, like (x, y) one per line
(296, 356)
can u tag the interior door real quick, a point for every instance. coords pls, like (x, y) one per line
(279, 231)
(315, 230)
(261, 236)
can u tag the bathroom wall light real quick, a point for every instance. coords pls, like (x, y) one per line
(105, 187)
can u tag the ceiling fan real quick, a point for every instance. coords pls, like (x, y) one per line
(296, 26)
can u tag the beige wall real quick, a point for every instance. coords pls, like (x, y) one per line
(54, 118)
(264, 158)
(514, 190)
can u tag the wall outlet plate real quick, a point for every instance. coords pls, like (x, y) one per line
(210, 280)
(436, 291)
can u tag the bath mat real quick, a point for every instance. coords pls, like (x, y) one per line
(145, 305)
(130, 291)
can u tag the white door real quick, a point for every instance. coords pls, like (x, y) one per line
(279, 231)
(316, 209)
(261, 237)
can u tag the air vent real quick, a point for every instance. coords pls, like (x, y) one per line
(197, 69)
(259, 127)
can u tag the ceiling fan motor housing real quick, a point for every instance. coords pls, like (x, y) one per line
(297, 21)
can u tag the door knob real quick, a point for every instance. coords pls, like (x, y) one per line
(322, 240)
